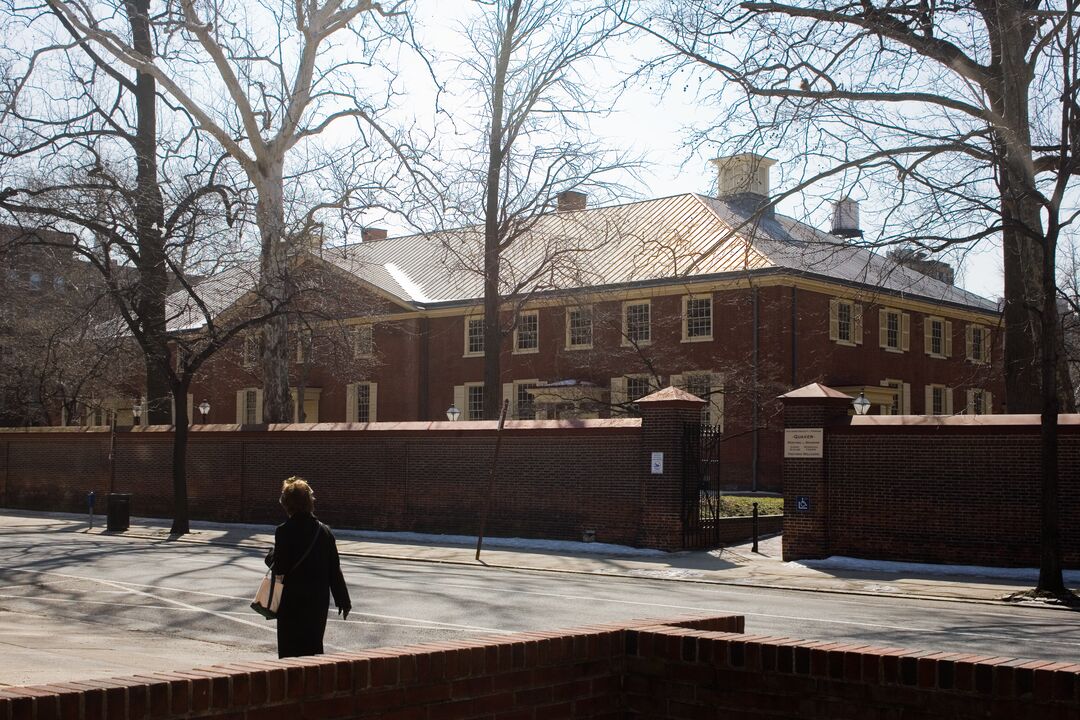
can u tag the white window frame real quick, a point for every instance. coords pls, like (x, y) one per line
(352, 401)
(361, 347)
(469, 321)
(928, 336)
(518, 350)
(512, 391)
(467, 411)
(903, 330)
(627, 341)
(587, 310)
(686, 300)
(946, 399)
(242, 406)
(250, 351)
(855, 322)
(984, 333)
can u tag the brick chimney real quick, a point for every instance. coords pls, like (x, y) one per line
(371, 234)
(571, 200)
(743, 174)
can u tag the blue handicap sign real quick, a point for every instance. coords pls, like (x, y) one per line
(802, 503)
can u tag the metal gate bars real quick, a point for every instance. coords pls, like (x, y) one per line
(701, 486)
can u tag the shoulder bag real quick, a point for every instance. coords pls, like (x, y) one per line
(268, 597)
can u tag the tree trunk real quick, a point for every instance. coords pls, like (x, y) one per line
(180, 524)
(1050, 575)
(273, 293)
(149, 224)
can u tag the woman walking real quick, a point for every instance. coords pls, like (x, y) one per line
(305, 552)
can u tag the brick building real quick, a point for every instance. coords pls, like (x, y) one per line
(692, 291)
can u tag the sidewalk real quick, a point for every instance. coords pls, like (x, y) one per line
(735, 565)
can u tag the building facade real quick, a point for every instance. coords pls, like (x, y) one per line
(605, 305)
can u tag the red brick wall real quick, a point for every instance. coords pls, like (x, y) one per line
(554, 480)
(960, 490)
(701, 667)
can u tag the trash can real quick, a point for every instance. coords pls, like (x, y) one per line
(118, 512)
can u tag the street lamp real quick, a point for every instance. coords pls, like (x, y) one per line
(452, 412)
(136, 411)
(862, 405)
(204, 408)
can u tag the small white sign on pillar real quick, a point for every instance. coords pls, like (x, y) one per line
(657, 465)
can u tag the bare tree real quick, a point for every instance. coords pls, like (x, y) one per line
(264, 98)
(963, 118)
(528, 63)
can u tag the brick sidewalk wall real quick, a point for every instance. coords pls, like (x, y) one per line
(693, 667)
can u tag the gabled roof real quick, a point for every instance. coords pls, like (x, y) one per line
(674, 239)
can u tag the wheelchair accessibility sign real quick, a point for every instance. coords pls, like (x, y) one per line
(802, 503)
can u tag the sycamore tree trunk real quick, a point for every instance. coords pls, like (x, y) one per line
(149, 225)
(273, 295)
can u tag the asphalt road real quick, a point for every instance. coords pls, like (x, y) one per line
(76, 606)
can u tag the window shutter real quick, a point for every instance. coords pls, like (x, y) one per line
(905, 324)
(373, 402)
(295, 403)
(883, 328)
(948, 400)
(259, 406)
(834, 320)
(509, 394)
(239, 407)
(927, 327)
(618, 391)
(928, 398)
(716, 401)
(856, 322)
(988, 402)
(905, 400)
(969, 408)
(677, 381)
(460, 401)
(986, 345)
(948, 338)
(967, 341)
(350, 403)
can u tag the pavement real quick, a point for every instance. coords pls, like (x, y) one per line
(105, 627)
(736, 565)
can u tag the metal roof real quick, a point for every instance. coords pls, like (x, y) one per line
(674, 239)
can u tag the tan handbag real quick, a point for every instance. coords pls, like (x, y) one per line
(268, 597)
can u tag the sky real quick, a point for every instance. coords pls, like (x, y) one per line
(655, 122)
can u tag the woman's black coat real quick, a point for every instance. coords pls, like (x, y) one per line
(301, 619)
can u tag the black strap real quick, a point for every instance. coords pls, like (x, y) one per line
(318, 531)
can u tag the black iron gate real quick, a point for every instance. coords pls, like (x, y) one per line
(701, 486)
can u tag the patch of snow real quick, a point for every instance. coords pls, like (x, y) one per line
(839, 562)
(407, 283)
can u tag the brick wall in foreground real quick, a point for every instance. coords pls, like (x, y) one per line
(699, 667)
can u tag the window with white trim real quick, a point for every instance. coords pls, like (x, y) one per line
(845, 322)
(249, 408)
(474, 336)
(524, 403)
(938, 400)
(474, 402)
(978, 343)
(894, 330)
(637, 387)
(937, 337)
(579, 328)
(252, 347)
(697, 318)
(363, 341)
(637, 323)
(527, 333)
(980, 402)
(361, 401)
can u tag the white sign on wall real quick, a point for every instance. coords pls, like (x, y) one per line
(657, 464)
(804, 443)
